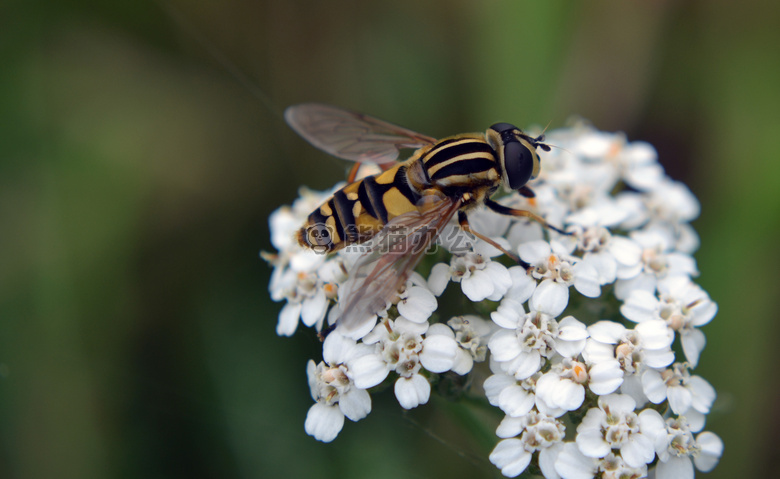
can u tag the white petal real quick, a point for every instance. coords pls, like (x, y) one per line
(438, 354)
(510, 456)
(586, 280)
(324, 422)
(640, 306)
(478, 286)
(500, 276)
(702, 394)
(653, 386)
(570, 329)
(336, 348)
(314, 308)
(596, 352)
(655, 334)
(306, 260)
(711, 450)
(605, 266)
(403, 325)
(547, 459)
(572, 464)
(605, 377)
(640, 282)
(632, 385)
(658, 359)
(608, 332)
(439, 278)
(550, 297)
(703, 313)
(625, 251)
(534, 251)
(560, 393)
(675, 468)
(591, 443)
(652, 424)
(638, 451)
(494, 385)
(679, 399)
(617, 403)
(693, 342)
(504, 345)
(411, 392)
(355, 404)
(523, 285)
(368, 371)
(464, 362)
(515, 401)
(288, 319)
(419, 304)
(508, 314)
(525, 365)
(510, 427)
(696, 420)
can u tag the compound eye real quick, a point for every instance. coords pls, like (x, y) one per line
(503, 127)
(519, 164)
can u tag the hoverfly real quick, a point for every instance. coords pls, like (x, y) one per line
(403, 208)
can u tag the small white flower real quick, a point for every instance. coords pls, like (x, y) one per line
(398, 344)
(416, 302)
(306, 300)
(471, 334)
(535, 336)
(558, 270)
(570, 463)
(684, 307)
(536, 431)
(680, 388)
(609, 255)
(611, 344)
(333, 390)
(479, 277)
(561, 388)
(440, 351)
(659, 260)
(515, 397)
(615, 425)
(678, 451)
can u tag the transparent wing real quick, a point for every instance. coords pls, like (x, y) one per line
(394, 252)
(352, 136)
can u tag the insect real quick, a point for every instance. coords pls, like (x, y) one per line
(403, 208)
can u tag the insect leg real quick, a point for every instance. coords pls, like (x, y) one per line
(463, 220)
(504, 210)
(353, 172)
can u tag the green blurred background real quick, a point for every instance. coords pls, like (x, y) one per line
(142, 150)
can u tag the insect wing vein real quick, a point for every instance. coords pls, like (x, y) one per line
(379, 273)
(352, 136)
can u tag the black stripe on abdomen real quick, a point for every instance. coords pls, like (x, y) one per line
(337, 218)
(374, 191)
(464, 167)
(402, 184)
(343, 206)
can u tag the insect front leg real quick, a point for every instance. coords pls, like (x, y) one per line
(504, 210)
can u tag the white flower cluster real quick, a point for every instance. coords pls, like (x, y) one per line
(591, 347)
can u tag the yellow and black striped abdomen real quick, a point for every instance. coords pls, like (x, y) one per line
(358, 211)
(464, 161)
